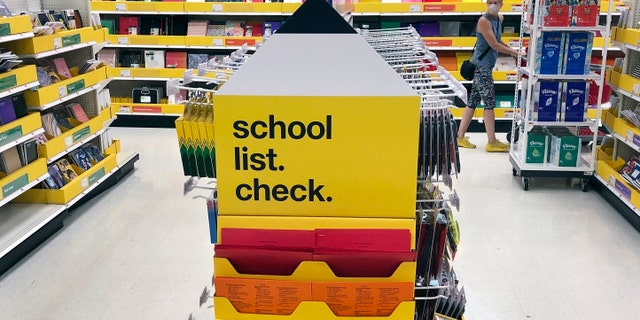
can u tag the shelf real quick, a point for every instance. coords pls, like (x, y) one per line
(196, 8)
(561, 77)
(18, 80)
(22, 180)
(15, 28)
(308, 310)
(627, 133)
(181, 42)
(19, 221)
(582, 169)
(145, 74)
(59, 146)
(500, 113)
(64, 41)
(467, 43)
(130, 7)
(148, 109)
(500, 77)
(20, 130)
(590, 123)
(56, 93)
(441, 8)
(624, 83)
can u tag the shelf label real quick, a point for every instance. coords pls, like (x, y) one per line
(123, 40)
(126, 109)
(147, 109)
(511, 77)
(516, 8)
(505, 104)
(636, 88)
(438, 42)
(623, 189)
(62, 91)
(125, 73)
(8, 82)
(10, 135)
(96, 176)
(57, 43)
(514, 43)
(15, 185)
(216, 8)
(636, 140)
(240, 42)
(76, 86)
(5, 29)
(68, 141)
(414, 8)
(121, 7)
(439, 8)
(218, 42)
(71, 40)
(78, 135)
(629, 136)
(84, 183)
(612, 180)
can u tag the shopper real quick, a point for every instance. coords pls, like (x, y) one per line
(489, 33)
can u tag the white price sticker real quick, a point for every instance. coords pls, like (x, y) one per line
(508, 114)
(511, 77)
(218, 42)
(514, 43)
(84, 183)
(125, 73)
(414, 8)
(516, 8)
(57, 43)
(612, 180)
(216, 8)
(505, 104)
(636, 88)
(62, 91)
(68, 141)
(125, 109)
(123, 40)
(121, 7)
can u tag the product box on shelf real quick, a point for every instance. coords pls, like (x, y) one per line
(537, 147)
(549, 53)
(564, 150)
(585, 14)
(575, 105)
(555, 13)
(546, 100)
(577, 54)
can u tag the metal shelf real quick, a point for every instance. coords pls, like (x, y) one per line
(58, 51)
(18, 89)
(20, 140)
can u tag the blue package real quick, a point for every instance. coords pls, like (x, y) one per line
(577, 55)
(575, 101)
(549, 53)
(548, 93)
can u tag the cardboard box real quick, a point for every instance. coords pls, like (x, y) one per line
(565, 150)
(537, 146)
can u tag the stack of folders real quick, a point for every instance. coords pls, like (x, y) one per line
(70, 167)
(196, 137)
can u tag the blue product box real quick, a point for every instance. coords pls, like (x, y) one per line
(548, 96)
(549, 53)
(576, 101)
(577, 55)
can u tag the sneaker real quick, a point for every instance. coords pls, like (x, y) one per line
(465, 143)
(497, 146)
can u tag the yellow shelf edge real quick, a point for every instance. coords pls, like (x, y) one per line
(22, 177)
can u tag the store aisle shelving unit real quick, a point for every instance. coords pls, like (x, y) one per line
(625, 135)
(555, 151)
(28, 213)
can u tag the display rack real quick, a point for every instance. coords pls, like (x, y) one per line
(614, 182)
(553, 149)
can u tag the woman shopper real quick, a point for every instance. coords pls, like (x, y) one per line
(489, 33)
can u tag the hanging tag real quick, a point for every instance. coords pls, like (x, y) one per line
(621, 8)
(514, 43)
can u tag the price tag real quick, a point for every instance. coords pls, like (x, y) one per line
(612, 180)
(514, 43)
(216, 8)
(62, 91)
(505, 104)
(84, 183)
(629, 135)
(125, 109)
(516, 8)
(218, 42)
(125, 73)
(68, 141)
(414, 8)
(636, 88)
(621, 8)
(508, 114)
(57, 43)
(123, 40)
(511, 77)
(121, 7)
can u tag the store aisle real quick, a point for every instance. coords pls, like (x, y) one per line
(141, 251)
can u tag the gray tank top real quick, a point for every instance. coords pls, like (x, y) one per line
(489, 60)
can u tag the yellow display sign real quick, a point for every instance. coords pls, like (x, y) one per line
(317, 156)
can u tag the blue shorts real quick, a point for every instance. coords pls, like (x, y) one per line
(483, 88)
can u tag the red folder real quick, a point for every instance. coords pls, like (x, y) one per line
(176, 59)
(293, 240)
(378, 240)
(262, 261)
(364, 264)
(126, 22)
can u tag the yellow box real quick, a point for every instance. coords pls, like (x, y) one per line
(54, 41)
(75, 187)
(121, 6)
(316, 271)
(54, 92)
(627, 130)
(628, 36)
(307, 310)
(608, 170)
(608, 118)
(18, 77)
(114, 148)
(146, 73)
(205, 41)
(14, 25)
(21, 177)
(312, 223)
(147, 40)
(16, 129)
(604, 153)
(60, 143)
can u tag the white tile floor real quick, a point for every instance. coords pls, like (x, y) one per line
(141, 251)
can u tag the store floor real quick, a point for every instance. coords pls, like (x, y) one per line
(141, 251)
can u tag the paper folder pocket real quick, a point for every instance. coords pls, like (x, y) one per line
(293, 240)
(262, 261)
(364, 264)
(378, 240)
